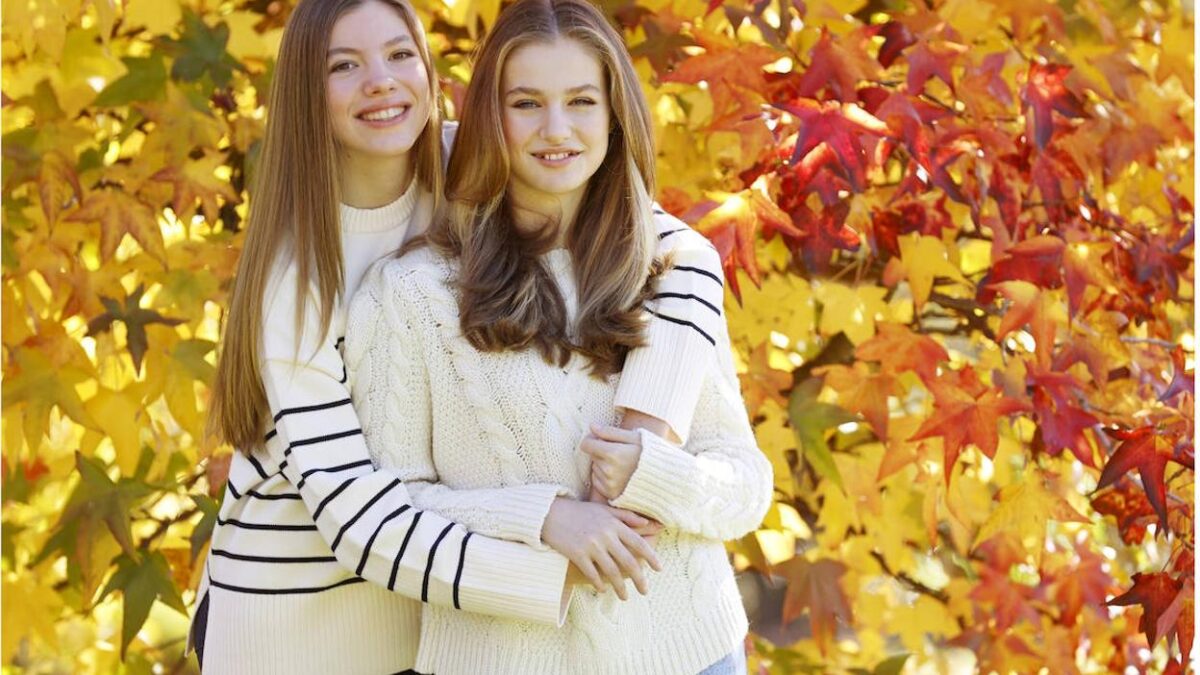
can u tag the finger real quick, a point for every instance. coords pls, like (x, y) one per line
(642, 549)
(633, 569)
(633, 520)
(612, 573)
(589, 570)
(600, 449)
(616, 434)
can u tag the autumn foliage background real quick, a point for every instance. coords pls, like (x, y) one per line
(958, 239)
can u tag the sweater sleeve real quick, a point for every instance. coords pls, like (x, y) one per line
(662, 378)
(366, 514)
(717, 485)
(390, 389)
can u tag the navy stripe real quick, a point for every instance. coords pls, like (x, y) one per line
(350, 523)
(362, 564)
(284, 591)
(258, 495)
(333, 469)
(462, 556)
(320, 439)
(270, 435)
(403, 546)
(697, 270)
(311, 408)
(429, 562)
(328, 498)
(681, 322)
(689, 296)
(232, 490)
(266, 526)
(338, 342)
(257, 467)
(272, 559)
(664, 235)
(345, 376)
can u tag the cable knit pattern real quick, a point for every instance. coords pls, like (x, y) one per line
(483, 432)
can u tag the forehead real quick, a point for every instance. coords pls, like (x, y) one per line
(562, 64)
(368, 25)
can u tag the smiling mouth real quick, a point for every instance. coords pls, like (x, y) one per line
(556, 156)
(384, 115)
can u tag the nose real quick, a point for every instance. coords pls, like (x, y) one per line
(557, 126)
(379, 81)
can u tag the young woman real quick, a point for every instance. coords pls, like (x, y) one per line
(350, 166)
(481, 363)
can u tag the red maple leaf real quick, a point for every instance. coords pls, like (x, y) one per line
(1129, 506)
(1045, 91)
(898, 349)
(821, 234)
(841, 126)
(1155, 592)
(1085, 583)
(838, 66)
(861, 391)
(896, 38)
(816, 587)
(1148, 451)
(1183, 380)
(1037, 260)
(932, 59)
(1061, 425)
(963, 418)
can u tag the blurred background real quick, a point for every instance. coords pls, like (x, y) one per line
(958, 241)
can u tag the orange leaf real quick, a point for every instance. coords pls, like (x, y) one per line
(119, 214)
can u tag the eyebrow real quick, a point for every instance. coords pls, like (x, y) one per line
(530, 91)
(350, 50)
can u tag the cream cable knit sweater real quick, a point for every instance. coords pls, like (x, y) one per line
(489, 440)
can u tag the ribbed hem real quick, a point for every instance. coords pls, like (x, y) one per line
(664, 378)
(382, 219)
(355, 629)
(684, 648)
(660, 479)
(523, 512)
(514, 581)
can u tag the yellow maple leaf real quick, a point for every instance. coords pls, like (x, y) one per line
(923, 259)
(1023, 510)
(851, 310)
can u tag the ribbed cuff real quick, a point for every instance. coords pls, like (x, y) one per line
(660, 479)
(522, 512)
(506, 579)
(664, 378)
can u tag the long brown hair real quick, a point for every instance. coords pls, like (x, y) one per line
(508, 299)
(294, 207)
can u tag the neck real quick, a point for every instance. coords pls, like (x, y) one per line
(531, 213)
(372, 182)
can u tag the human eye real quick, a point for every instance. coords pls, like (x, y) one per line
(402, 54)
(583, 101)
(524, 104)
(340, 66)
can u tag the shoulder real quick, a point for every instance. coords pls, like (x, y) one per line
(686, 247)
(420, 271)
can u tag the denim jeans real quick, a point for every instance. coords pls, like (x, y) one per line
(734, 663)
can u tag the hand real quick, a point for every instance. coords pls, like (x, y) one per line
(615, 453)
(600, 541)
(649, 531)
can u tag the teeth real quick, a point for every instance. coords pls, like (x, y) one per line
(554, 157)
(385, 114)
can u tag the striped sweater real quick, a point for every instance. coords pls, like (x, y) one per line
(316, 553)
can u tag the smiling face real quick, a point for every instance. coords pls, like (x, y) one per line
(377, 86)
(556, 123)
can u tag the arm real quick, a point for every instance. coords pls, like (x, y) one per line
(365, 514)
(391, 393)
(719, 484)
(661, 381)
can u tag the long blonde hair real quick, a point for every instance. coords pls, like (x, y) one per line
(508, 299)
(294, 208)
